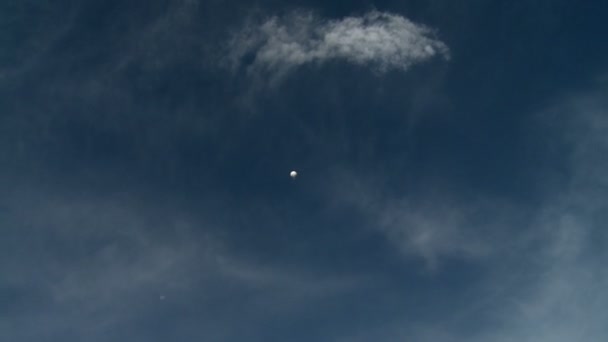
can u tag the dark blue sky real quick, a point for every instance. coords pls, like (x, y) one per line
(451, 158)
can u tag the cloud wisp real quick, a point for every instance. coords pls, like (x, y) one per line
(431, 227)
(381, 40)
(543, 282)
(96, 266)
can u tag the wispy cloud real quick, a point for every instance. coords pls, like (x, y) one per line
(568, 300)
(93, 264)
(434, 226)
(380, 40)
(551, 285)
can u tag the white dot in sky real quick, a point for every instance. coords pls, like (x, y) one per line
(293, 174)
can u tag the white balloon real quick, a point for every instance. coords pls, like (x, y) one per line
(293, 174)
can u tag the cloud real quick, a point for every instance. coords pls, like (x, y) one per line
(568, 300)
(93, 265)
(439, 225)
(380, 40)
(549, 284)
(434, 226)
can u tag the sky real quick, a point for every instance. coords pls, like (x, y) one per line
(451, 156)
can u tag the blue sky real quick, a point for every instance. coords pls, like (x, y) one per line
(451, 159)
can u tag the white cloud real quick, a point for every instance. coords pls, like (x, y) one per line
(381, 40)
(103, 262)
(432, 226)
(552, 286)
(568, 302)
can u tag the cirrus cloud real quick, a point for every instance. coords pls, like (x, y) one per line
(380, 40)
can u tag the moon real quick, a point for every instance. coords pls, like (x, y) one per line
(293, 174)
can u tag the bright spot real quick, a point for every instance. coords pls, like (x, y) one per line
(162, 297)
(293, 174)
